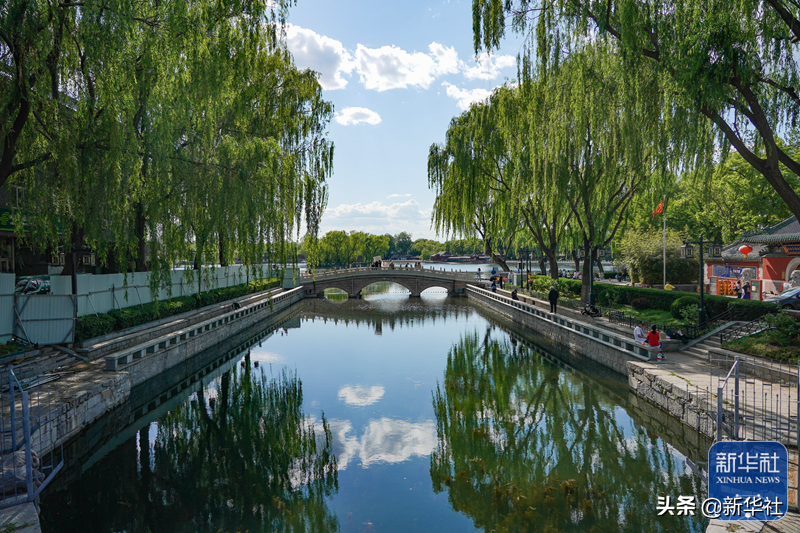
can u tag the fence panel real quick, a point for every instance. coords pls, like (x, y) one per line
(7, 282)
(45, 318)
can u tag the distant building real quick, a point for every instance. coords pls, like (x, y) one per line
(441, 256)
(775, 255)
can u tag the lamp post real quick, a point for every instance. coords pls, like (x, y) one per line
(687, 252)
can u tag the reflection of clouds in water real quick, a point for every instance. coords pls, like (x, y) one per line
(361, 396)
(266, 357)
(385, 440)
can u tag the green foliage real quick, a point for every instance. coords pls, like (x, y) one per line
(680, 304)
(90, 326)
(744, 309)
(179, 128)
(608, 297)
(787, 329)
(567, 288)
(643, 257)
(721, 65)
(640, 304)
(690, 314)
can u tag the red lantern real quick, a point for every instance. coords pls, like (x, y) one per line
(745, 249)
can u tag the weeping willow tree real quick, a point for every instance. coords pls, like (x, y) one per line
(180, 127)
(468, 174)
(524, 446)
(723, 67)
(239, 456)
(602, 141)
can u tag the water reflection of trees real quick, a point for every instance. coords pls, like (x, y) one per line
(387, 314)
(238, 457)
(525, 447)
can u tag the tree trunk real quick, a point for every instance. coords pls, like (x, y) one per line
(496, 258)
(600, 270)
(577, 261)
(542, 268)
(141, 242)
(223, 261)
(73, 267)
(586, 282)
(551, 257)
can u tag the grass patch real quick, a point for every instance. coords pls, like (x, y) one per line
(11, 347)
(763, 345)
(657, 316)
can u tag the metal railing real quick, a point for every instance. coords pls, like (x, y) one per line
(690, 331)
(619, 317)
(31, 453)
(753, 327)
(757, 399)
(320, 274)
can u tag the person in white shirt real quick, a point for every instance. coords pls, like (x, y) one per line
(638, 334)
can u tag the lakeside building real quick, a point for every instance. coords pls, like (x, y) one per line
(774, 257)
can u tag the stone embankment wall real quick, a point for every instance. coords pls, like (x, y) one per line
(92, 391)
(596, 343)
(688, 403)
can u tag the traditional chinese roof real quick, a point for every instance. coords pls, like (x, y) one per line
(732, 253)
(787, 231)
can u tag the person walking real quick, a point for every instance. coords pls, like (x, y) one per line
(552, 296)
(746, 288)
(479, 274)
(737, 289)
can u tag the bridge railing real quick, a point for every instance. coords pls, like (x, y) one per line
(323, 274)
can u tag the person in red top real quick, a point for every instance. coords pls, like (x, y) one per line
(653, 339)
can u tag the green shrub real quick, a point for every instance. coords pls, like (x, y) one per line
(569, 288)
(682, 303)
(90, 326)
(746, 310)
(787, 329)
(690, 314)
(608, 297)
(640, 304)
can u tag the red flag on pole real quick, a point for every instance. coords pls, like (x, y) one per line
(659, 208)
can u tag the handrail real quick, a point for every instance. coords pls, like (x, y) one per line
(626, 345)
(754, 326)
(720, 392)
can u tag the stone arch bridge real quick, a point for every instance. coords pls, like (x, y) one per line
(353, 280)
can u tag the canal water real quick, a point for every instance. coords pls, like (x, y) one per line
(386, 414)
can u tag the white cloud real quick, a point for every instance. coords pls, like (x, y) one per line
(488, 67)
(385, 440)
(398, 196)
(378, 218)
(320, 53)
(466, 97)
(391, 67)
(350, 116)
(359, 396)
(387, 67)
(406, 210)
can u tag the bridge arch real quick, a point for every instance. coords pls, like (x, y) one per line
(354, 281)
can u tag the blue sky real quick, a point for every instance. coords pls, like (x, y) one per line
(396, 72)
